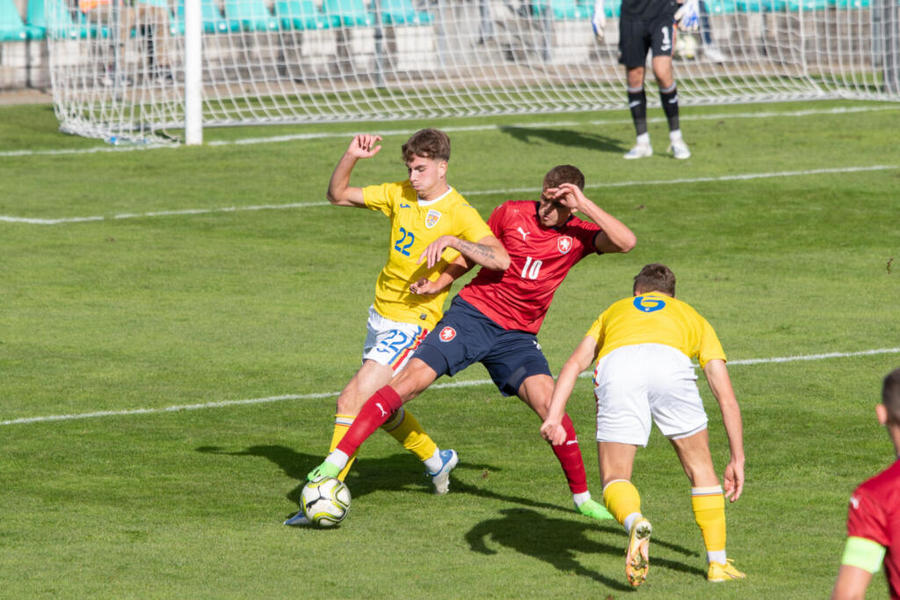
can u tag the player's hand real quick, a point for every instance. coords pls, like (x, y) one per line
(364, 146)
(434, 250)
(733, 481)
(426, 287)
(567, 194)
(598, 20)
(553, 432)
(688, 16)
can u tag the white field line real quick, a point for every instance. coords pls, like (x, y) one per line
(611, 184)
(455, 384)
(450, 129)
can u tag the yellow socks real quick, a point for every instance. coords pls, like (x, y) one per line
(709, 512)
(341, 424)
(622, 499)
(405, 428)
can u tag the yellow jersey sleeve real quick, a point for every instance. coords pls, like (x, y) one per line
(655, 318)
(384, 196)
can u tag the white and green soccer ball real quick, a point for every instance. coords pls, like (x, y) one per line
(686, 46)
(325, 502)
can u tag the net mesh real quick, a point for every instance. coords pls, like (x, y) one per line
(117, 70)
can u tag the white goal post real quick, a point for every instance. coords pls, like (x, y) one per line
(137, 70)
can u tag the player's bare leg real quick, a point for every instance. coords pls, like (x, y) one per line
(708, 503)
(403, 426)
(536, 391)
(370, 377)
(624, 502)
(405, 386)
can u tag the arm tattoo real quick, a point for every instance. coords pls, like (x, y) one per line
(472, 249)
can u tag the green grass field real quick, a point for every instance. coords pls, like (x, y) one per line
(782, 229)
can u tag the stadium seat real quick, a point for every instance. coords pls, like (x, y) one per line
(759, 5)
(563, 9)
(807, 5)
(611, 8)
(349, 13)
(300, 14)
(721, 7)
(402, 12)
(249, 15)
(92, 29)
(212, 19)
(64, 27)
(11, 25)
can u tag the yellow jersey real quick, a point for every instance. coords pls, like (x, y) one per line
(656, 318)
(415, 224)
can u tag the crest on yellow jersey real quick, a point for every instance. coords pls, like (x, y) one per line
(432, 218)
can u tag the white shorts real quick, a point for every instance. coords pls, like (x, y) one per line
(391, 343)
(634, 384)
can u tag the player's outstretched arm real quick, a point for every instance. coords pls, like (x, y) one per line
(720, 383)
(487, 252)
(615, 237)
(340, 192)
(552, 429)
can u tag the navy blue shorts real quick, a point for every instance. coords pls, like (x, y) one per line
(465, 336)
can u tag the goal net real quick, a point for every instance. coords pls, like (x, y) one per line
(118, 68)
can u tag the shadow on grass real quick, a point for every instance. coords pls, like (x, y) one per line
(560, 542)
(399, 472)
(566, 137)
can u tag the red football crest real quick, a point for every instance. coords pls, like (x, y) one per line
(447, 334)
(564, 244)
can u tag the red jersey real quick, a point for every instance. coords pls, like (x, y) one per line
(540, 258)
(874, 514)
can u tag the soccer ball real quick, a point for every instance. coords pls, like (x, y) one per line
(686, 46)
(325, 502)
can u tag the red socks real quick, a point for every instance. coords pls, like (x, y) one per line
(374, 413)
(569, 456)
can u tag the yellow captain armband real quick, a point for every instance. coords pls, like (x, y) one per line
(863, 553)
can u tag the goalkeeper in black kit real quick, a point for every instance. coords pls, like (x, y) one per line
(647, 25)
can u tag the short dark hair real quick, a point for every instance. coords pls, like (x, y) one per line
(427, 143)
(890, 395)
(655, 277)
(564, 174)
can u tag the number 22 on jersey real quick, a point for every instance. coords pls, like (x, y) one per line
(407, 239)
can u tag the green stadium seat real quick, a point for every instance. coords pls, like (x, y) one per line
(852, 3)
(807, 5)
(402, 12)
(249, 15)
(759, 5)
(90, 29)
(300, 15)
(349, 13)
(65, 27)
(563, 10)
(212, 19)
(721, 7)
(11, 25)
(611, 8)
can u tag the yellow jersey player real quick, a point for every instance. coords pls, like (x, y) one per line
(643, 346)
(431, 224)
